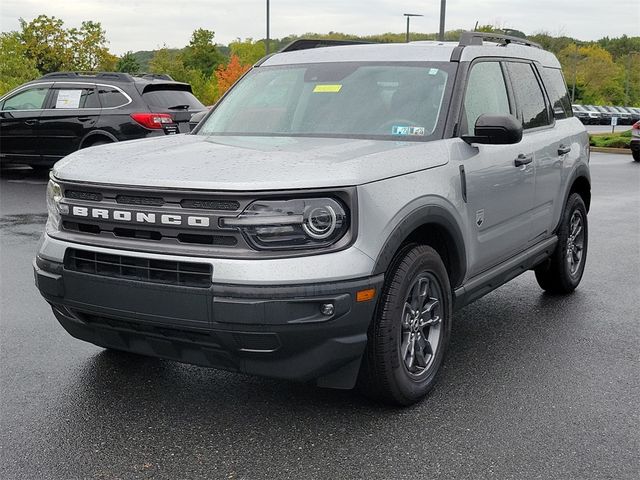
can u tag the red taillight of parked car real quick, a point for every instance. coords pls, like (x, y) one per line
(152, 120)
(636, 126)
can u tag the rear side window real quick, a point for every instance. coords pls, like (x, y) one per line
(557, 90)
(172, 100)
(486, 93)
(111, 97)
(68, 98)
(29, 99)
(529, 96)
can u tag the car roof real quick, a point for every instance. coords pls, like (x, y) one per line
(116, 78)
(420, 51)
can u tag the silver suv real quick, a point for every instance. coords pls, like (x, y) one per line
(329, 215)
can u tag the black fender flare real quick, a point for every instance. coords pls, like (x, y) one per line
(99, 133)
(423, 215)
(580, 171)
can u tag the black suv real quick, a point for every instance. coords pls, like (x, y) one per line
(46, 119)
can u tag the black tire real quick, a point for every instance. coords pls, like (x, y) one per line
(557, 274)
(384, 374)
(97, 142)
(636, 155)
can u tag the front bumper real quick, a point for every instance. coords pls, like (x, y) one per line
(274, 331)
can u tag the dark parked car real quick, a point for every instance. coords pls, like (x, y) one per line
(46, 119)
(635, 141)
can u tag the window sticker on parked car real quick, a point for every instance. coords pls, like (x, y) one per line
(327, 88)
(68, 99)
(402, 130)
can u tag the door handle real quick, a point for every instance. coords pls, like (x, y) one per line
(30, 122)
(523, 160)
(564, 149)
(84, 118)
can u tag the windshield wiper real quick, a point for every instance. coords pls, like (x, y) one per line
(179, 107)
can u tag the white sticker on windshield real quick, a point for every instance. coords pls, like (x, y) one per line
(401, 130)
(433, 71)
(68, 99)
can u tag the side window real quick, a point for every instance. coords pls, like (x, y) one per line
(486, 93)
(528, 95)
(69, 98)
(557, 89)
(111, 97)
(29, 99)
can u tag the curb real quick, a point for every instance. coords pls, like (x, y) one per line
(611, 150)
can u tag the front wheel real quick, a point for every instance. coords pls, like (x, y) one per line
(562, 272)
(409, 334)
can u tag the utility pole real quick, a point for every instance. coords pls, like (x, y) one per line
(409, 15)
(266, 46)
(443, 8)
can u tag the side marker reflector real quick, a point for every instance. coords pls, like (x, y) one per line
(366, 295)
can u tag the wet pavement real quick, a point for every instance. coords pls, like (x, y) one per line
(535, 386)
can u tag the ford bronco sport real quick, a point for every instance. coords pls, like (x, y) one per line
(329, 215)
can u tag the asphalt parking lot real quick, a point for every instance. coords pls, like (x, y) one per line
(535, 386)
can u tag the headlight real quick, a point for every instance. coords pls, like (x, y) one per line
(54, 195)
(291, 224)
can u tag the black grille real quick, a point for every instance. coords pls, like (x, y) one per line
(79, 195)
(141, 269)
(146, 201)
(230, 205)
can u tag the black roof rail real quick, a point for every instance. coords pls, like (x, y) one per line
(308, 43)
(476, 38)
(123, 77)
(154, 76)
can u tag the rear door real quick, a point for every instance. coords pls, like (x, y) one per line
(549, 143)
(19, 116)
(499, 192)
(175, 99)
(72, 112)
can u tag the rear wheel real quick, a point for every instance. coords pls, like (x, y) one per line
(636, 155)
(409, 334)
(562, 272)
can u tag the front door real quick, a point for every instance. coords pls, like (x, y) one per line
(19, 116)
(500, 179)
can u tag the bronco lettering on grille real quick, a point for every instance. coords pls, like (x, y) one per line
(140, 217)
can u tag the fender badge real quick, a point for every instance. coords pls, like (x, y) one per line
(479, 217)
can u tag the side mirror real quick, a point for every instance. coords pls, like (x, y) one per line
(495, 130)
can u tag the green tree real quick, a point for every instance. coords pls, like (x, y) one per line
(46, 43)
(248, 52)
(599, 79)
(128, 63)
(89, 48)
(201, 54)
(15, 67)
(169, 62)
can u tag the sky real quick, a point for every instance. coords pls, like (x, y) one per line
(149, 24)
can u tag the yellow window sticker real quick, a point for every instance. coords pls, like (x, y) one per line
(327, 88)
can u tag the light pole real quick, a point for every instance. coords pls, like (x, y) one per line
(443, 8)
(409, 15)
(575, 74)
(266, 47)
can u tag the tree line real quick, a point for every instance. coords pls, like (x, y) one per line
(604, 72)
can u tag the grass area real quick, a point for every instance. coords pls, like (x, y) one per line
(615, 140)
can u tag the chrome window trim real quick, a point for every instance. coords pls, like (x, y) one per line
(52, 84)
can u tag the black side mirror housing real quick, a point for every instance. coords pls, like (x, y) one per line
(495, 130)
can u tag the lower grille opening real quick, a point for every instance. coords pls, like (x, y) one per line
(140, 269)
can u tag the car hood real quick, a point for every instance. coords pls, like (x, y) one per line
(248, 163)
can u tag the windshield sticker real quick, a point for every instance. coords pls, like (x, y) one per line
(433, 71)
(327, 88)
(400, 130)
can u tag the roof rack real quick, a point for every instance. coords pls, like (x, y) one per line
(123, 77)
(308, 43)
(154, 76)
(476, 38)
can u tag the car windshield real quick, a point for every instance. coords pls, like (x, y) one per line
(353, 100)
